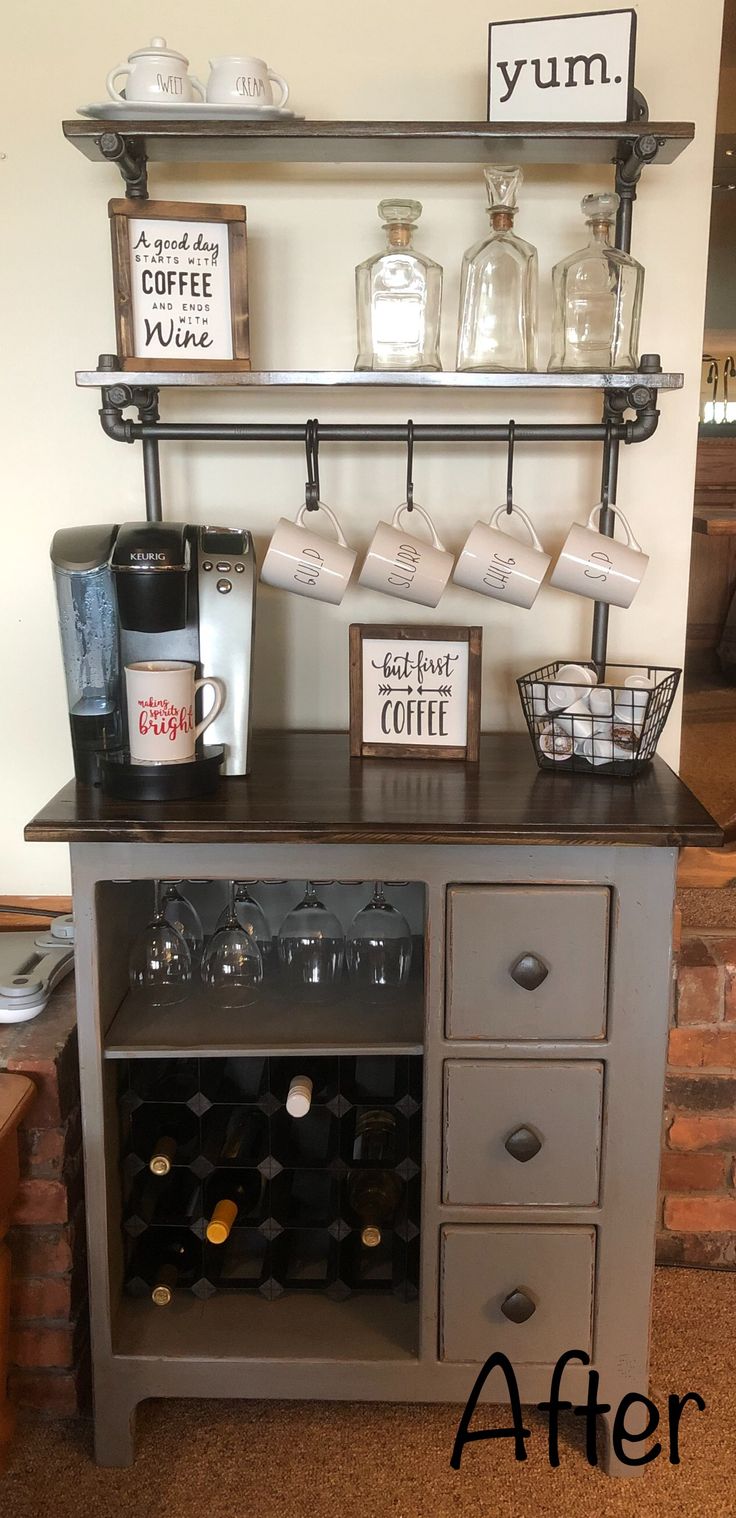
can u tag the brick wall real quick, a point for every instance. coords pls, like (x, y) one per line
(49, 1332)
(698, 1179)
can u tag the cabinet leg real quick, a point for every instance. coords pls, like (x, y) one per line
(635, 1422)
(114, 1429)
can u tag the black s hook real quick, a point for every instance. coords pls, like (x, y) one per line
(510, 470)
(410, 465)
(311, 446)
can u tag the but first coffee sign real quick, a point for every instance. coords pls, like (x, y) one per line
(415, 692)
(181, 293)
(562, 68)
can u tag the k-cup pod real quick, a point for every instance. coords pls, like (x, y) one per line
(400, 564)
(554, 742)
(601, 701)
(495, 564)
(307, 564)
(593, 565)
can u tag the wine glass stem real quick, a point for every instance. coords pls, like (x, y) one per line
(157, 908)
(231, 902)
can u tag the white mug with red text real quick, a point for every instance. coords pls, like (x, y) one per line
(161, 724)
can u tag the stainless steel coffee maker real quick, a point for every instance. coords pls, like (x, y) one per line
(145, 591)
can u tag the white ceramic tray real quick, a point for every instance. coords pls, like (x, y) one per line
(193, 110)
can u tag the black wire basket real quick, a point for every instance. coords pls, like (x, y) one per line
(614, 734)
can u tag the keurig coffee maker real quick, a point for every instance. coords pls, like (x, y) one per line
(150, 591)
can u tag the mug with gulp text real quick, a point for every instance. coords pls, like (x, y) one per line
(596, 566)
(161, 723)
(244, 81)
(307, 564)
(398, 564)
(496, 564)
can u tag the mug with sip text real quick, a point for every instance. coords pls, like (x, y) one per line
(399, 564)
(307, 564)
(596, 566)
(496, 564)
(244, 81)
(161, 723)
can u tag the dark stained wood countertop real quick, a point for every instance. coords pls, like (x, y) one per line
(304, 786)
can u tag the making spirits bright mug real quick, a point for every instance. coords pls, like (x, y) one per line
(305, 563)
(595, 566)
(398, 564)
(156, 75)
(161, 725)
(244, 81)
(496, 564)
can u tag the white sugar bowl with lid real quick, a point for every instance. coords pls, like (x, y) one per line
(156, 75)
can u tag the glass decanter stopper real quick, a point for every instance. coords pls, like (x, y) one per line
(398, 297)
(498, 288)
(597, 298)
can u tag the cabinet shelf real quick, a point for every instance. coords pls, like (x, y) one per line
(285, 379)
(274, 1024)
(285, 141)
(245, 1328)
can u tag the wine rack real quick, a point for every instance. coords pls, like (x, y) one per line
(296, 1229)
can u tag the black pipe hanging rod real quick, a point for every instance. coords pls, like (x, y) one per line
(123, 430)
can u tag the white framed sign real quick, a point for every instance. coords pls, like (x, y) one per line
(415, 692)
(563, 68)
(181, 292)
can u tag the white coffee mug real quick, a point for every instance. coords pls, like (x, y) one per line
(161, 725)
(244, 81)
(398, 564)
(596, 566)
(155, 75)
(305, 563)
(496, 564)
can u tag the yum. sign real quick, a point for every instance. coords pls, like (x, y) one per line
(566, 68)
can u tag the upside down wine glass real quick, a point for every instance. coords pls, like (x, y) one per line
(160, 960)
(253, 921)
(180, 914)
(379, 944)
(311, 943)
(232, 967)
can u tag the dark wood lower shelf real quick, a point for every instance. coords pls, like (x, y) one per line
(243, 1326)
(274, 1024)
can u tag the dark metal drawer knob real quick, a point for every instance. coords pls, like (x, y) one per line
(529, 971)
(518, 1306)
(523, 1144)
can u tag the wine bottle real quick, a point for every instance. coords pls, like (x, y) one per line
(234, 1195)
(163, 1155)
(163, 1259)
(176, 1267)
(375, 1197)
(375, 1137)
(241, 1137)
(299, 1098)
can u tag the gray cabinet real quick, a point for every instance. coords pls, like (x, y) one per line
(527, 962)
(523, 1132)
(527, 1292)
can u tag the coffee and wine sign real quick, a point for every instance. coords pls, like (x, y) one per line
(181, 297)
(415, 692)
(564, 68)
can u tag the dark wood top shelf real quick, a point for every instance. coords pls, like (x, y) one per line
(259, 379)
(285, 141)
(304, 787)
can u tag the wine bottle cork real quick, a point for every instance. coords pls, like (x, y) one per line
(164, 1288)
(163, 1156)
(371, 1236)
(299, 1099)
(221, 1222)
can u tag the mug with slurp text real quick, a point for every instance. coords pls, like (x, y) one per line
(161, 722)
(400, 564)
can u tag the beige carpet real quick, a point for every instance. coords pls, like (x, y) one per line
(302, 1460)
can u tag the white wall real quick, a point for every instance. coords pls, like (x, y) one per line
(308, 227)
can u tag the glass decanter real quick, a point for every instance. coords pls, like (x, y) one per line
(398, 297)
(597, 299)
(498, 289)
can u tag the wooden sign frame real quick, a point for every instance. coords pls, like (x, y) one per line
(121, 213)
(360, 748)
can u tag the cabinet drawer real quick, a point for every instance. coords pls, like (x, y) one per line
(527, 961)
(552, 1107)
(542, 1277)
